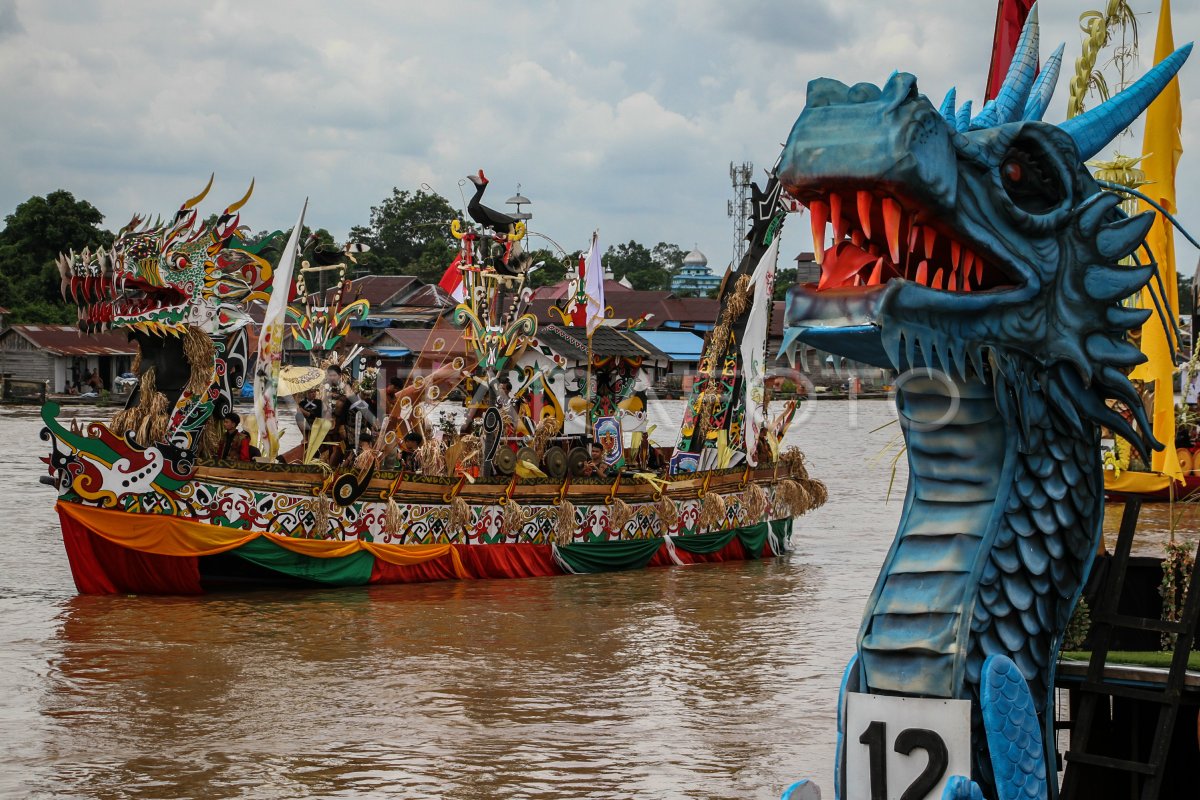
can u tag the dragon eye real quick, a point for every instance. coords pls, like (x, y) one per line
(1031, 187)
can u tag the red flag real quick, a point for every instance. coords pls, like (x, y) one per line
(579, 315)
(452, 280)
(1010, 18)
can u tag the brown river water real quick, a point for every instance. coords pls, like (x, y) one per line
(708, 681)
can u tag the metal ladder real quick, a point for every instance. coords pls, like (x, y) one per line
(1095, 689)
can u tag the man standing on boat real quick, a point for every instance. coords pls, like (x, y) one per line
(235, 444)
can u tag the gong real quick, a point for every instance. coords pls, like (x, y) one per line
(555, 462)
(576, 461)
(505, 460)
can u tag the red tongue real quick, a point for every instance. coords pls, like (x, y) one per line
(841, 263)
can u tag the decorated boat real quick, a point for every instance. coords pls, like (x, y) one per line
(541, 468)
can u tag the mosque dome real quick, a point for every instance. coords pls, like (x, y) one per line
(695, 259)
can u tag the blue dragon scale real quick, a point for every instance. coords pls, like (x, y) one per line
(977, 257)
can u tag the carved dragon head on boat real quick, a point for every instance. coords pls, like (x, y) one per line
(160, 278)
(979, 252)
(181, 289)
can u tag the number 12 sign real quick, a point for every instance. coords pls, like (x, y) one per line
(904, 748)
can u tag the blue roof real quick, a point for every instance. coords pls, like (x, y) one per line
(679, 345)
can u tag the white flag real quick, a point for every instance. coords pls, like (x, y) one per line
(594, 286)
(270, 345)
(754, 348)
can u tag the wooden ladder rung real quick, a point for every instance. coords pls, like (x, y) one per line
(1108, 762)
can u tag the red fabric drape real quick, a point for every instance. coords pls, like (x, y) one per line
(101, 567)
(734, 551)
(1010, 18)
(479, 561)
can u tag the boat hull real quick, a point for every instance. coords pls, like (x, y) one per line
(237, 525)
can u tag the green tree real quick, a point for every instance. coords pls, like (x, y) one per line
(409, 234)
(784, 280)
(34, 234)
(636, 263)
(553, 267)
(668, 256)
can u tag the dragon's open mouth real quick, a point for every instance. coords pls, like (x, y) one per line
(130, 302)
(879, 236)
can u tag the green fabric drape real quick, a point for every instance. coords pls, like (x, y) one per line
(753, 538)
(351, 570)
(612, 555)
(705, 543)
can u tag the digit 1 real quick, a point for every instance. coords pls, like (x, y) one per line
(873, 737)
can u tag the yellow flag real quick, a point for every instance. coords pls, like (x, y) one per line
(1161, 149)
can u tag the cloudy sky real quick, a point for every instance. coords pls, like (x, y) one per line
(621, 115)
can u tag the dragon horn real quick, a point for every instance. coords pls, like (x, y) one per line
(241, 202)
(962, 120)
(947, 109)
(187, 204)
(1022, 70)
(1043, 90)
(1093, 130)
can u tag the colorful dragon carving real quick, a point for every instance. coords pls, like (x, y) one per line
(976, 256)
(181, 290)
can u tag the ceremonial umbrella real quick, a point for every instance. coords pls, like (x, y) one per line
(295, 379)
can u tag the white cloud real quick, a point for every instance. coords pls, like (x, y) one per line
(622, 115)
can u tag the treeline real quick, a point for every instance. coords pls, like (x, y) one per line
(408, 234)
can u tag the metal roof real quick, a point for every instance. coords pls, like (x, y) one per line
(679, 345)
(67, 340)
(606, 341)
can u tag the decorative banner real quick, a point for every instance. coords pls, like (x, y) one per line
(754, 349)
(594, 283)
(608, 435)
(270, 345)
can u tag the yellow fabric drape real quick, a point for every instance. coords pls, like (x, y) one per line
(1161, 149)
(166, 535)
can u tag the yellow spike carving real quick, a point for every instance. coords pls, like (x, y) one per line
(192, 203)
(241, 202)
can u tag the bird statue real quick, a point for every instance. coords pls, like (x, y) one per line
(488, 217)
(505, 255)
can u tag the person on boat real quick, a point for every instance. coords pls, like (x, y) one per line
(407, 456)
(596, 466)
(338, 441)
(309, 411)
(235, 444)
(394, 387)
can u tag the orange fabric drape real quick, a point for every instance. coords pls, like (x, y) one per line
(161, 534)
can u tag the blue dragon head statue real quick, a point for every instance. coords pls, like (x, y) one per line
(974, 245)
(978, 254)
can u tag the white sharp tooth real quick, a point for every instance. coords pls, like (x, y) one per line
(914, 236)
(978, 270)
(923, 273)
(937, 280)
(952, 281)
(930, 240)
(865, 201)
(955, 253)
(818, 213)
(891, 227)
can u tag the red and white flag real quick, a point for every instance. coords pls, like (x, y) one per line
(452, 280)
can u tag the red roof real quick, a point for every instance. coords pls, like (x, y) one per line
(67, 340)
(557, 291)
(425, 341)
